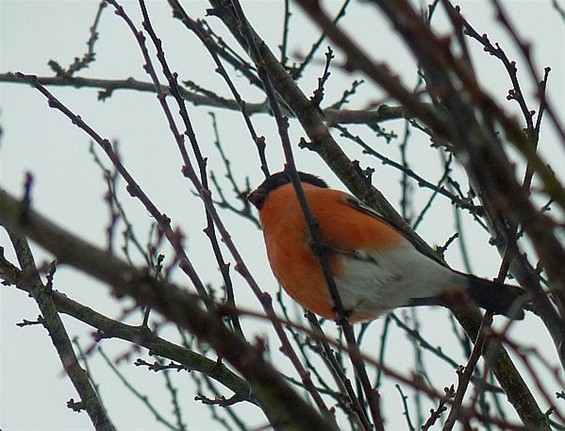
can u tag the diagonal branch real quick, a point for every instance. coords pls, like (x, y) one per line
(284, 407)
(329, 150)
(51, 320)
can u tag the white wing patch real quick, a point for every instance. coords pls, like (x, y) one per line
(374, 283)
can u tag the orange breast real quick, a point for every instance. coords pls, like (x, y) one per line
(342, 227)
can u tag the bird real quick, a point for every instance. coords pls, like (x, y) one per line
(376, 268)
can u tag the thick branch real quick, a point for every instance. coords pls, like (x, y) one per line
(285, 408)
(329, 150)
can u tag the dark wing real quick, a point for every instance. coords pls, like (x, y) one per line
(360, 206)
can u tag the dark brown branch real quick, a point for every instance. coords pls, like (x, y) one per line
(529, 411)
(284, 407)
(133, 187)
(182, 308)
(466, 373)
(333, 116)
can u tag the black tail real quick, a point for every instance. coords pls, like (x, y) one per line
(497, 297)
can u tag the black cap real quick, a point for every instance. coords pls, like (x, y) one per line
(257, 197)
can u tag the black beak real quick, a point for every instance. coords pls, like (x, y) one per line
(257, 197)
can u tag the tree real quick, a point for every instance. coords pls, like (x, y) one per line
(192, 298)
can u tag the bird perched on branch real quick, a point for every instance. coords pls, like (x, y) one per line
(375, 267)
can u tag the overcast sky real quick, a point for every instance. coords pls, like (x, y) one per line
(69, 189)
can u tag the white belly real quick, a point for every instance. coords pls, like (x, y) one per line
(375, 283)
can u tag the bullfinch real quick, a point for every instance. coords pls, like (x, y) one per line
(375, 267)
